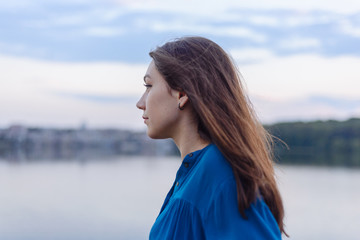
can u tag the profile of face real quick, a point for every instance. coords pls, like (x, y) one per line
(160, 105)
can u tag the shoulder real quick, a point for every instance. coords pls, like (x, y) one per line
(212, 167)
(214, 164)
(210, 177)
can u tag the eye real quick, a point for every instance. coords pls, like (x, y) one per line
(147, 85)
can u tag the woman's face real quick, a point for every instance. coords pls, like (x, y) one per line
(160, 105)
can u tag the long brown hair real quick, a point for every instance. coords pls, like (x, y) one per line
(205, 72)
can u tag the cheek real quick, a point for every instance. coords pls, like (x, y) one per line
(159, 100)
(161, 107)
(152, 99)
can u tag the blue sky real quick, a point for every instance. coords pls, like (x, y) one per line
(67, 62)
(106, 31)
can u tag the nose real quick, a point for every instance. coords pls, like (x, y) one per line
(141, 103)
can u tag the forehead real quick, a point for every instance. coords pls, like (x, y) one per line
(154, 76)
(151, 68)
(152, 73)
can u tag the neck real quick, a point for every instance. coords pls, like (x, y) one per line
(188, 140)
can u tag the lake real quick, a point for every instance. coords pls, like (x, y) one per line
(120, 198)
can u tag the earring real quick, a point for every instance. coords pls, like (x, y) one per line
(181, 108)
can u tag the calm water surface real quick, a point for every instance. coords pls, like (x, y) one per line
(120, 198)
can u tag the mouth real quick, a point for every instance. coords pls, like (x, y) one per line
(145, 118)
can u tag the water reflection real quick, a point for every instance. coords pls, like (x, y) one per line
(119, 199)
(20, 143)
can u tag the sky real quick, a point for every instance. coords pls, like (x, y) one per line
(73, 62)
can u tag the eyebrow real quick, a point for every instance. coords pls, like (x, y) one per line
(146, 76)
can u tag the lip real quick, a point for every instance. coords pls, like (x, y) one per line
(145, 118)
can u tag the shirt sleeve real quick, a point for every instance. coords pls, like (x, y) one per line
(224, 221)
(182, 222)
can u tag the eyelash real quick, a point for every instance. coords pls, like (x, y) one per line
(147, 85)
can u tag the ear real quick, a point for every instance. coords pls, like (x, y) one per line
(182, 98)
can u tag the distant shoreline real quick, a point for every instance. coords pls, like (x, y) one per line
(313, 143)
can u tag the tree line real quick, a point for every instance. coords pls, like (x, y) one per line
(331, 143)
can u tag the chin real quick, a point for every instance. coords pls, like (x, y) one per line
(156, 135)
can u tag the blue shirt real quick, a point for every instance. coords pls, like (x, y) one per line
(202, 204)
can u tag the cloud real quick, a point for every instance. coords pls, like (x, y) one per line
(298, 18)
(100, 14)
(213, 7)
(10, 5)
(340, 103)
(109, 99)
(20, 48)
(104, 94)
(96, 77)
(280, 18)
(35, 4)
(104, 31)
(350, 28)
(65, 94)
(250, 55)
(291, 77)
(52, 111)
(62, 15)
(263, 20)
(193, 28)
(307, 108)
(301, 75)
(297, 43)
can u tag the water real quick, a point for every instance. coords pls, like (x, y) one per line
(120, 198)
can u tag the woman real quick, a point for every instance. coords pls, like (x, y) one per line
(225, 186)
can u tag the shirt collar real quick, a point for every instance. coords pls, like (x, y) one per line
(193, 156)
